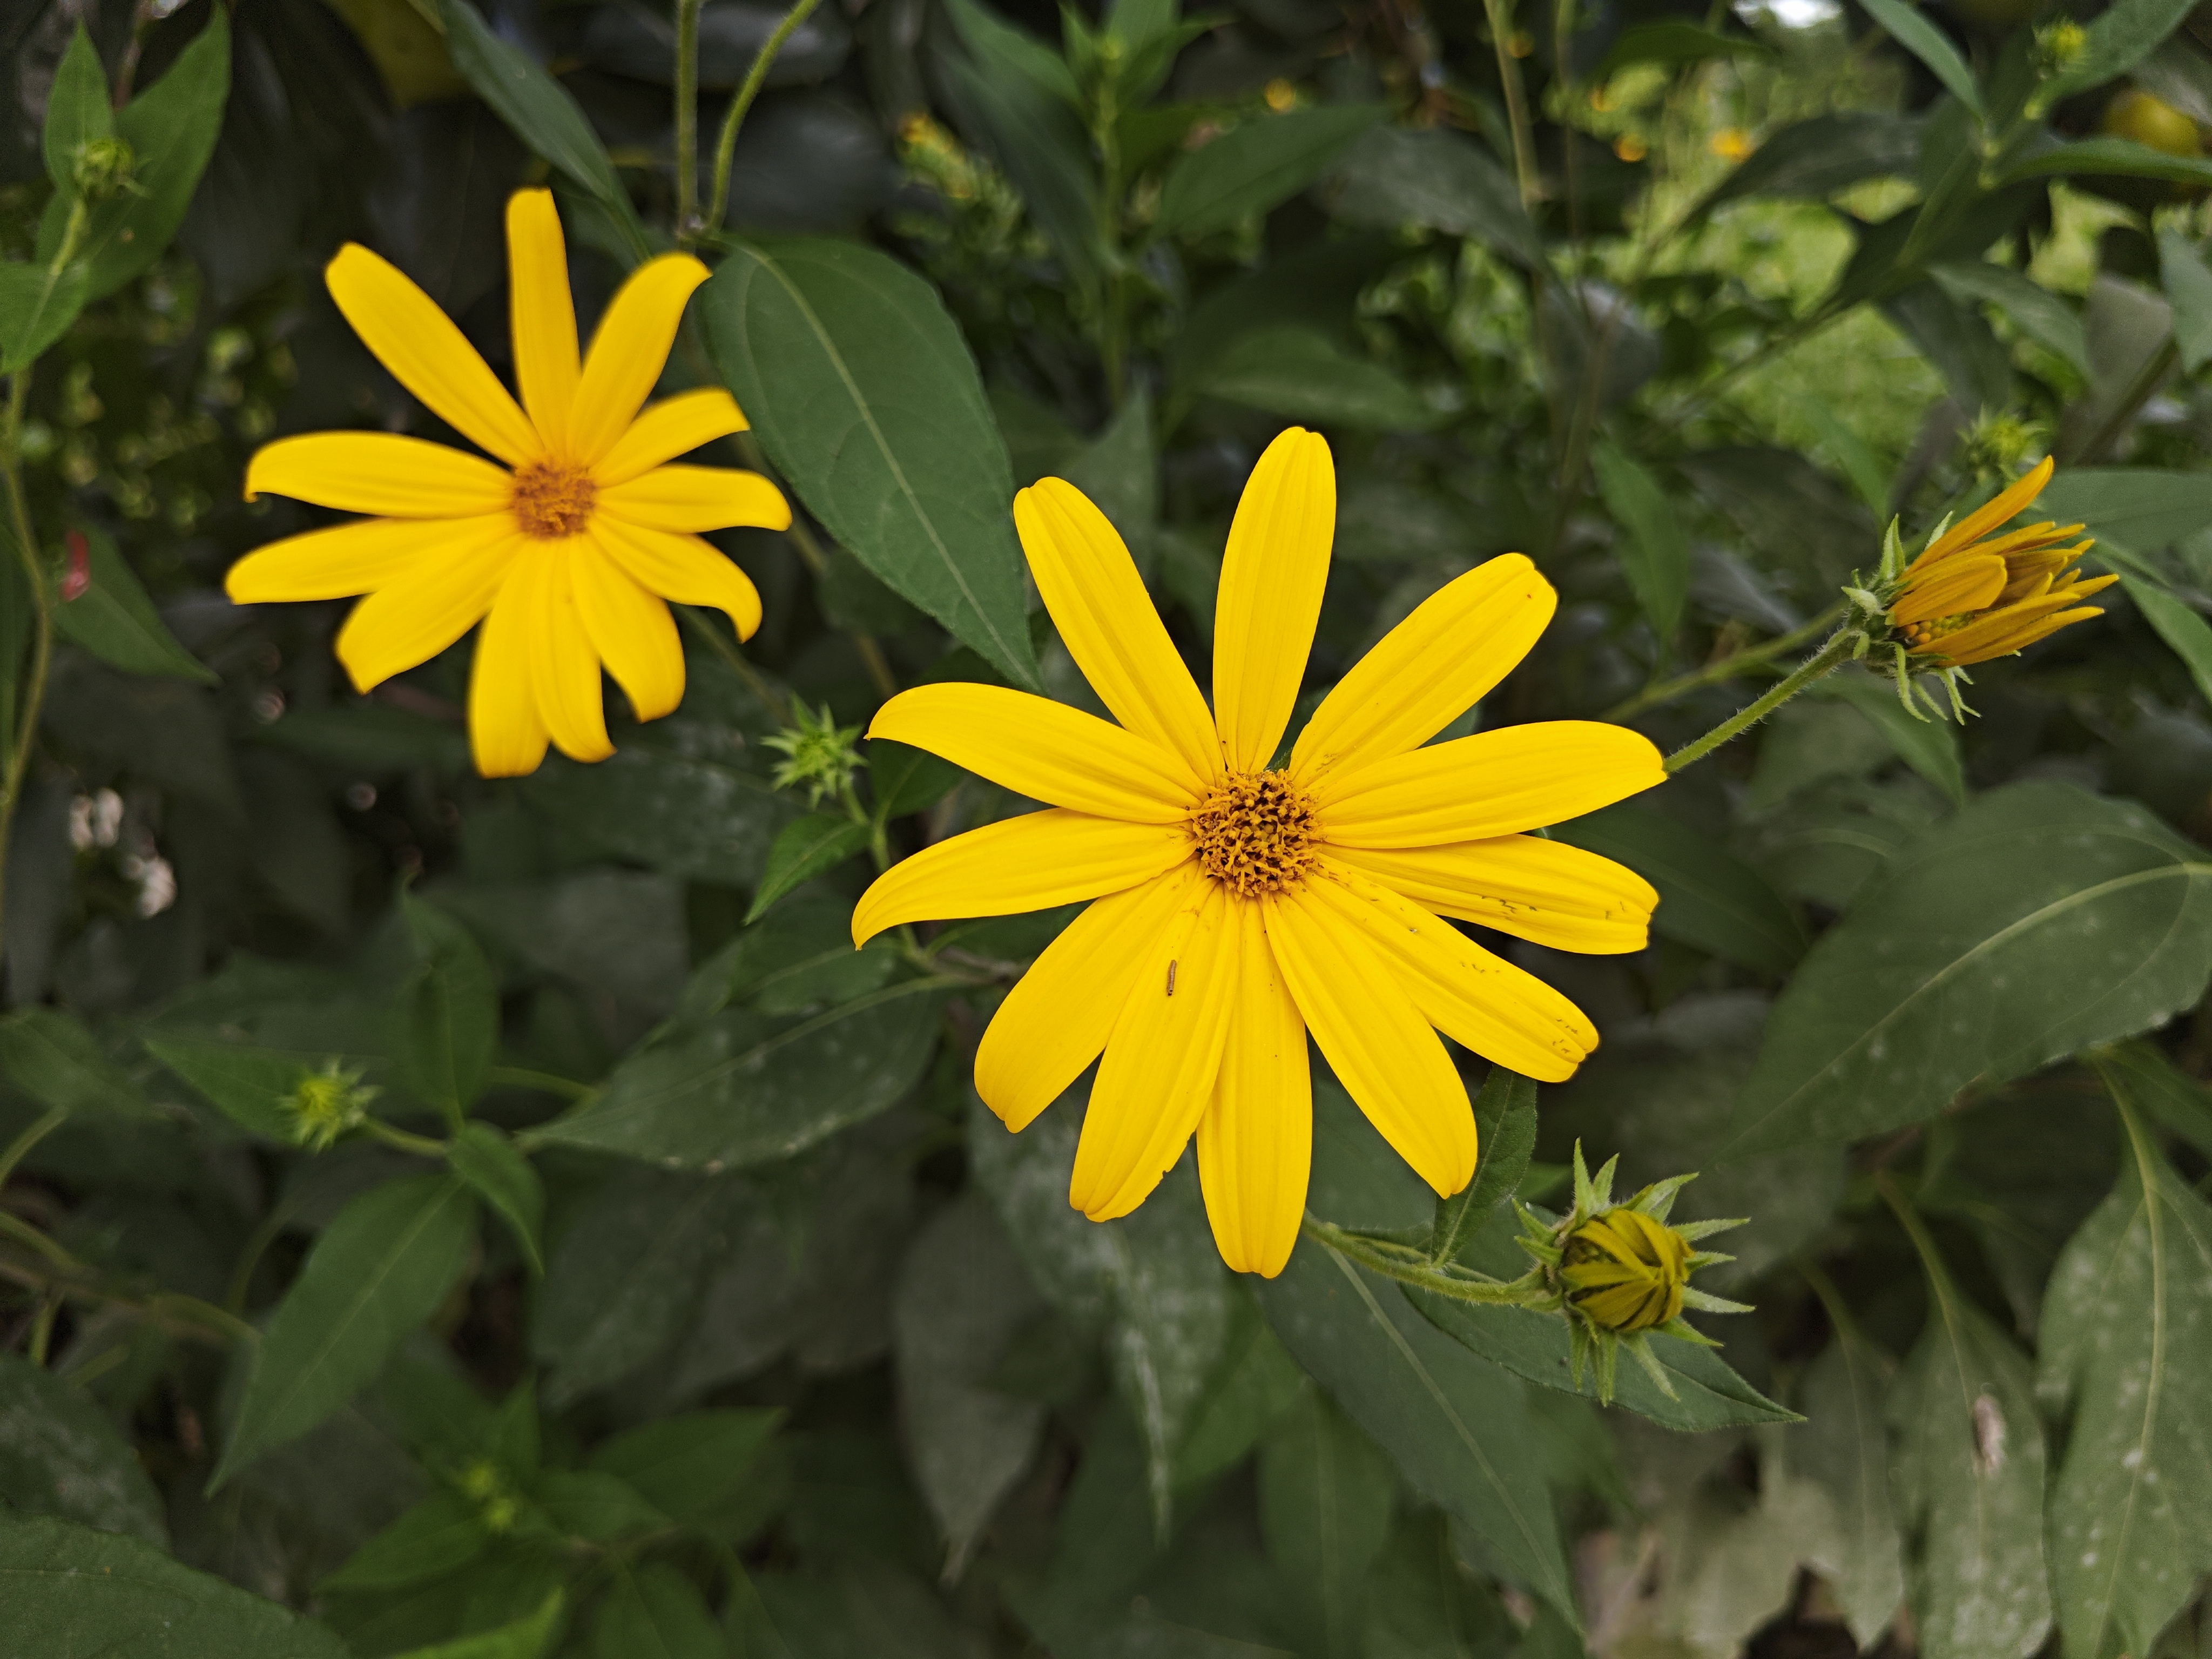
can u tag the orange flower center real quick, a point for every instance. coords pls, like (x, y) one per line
(552, 499)
(1921, 634)
(1255, 833)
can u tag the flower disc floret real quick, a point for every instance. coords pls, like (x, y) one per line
(1255, 833)
(553, 498)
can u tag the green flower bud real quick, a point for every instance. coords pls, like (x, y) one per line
(822, 758)
(2058, 45)
(103, 169)
(1626, 1271)
(326, 1104)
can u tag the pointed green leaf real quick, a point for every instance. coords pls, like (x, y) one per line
(381, 1269)
(1252, 167)
(78, 110)
(1655, 550)
(2179, 624)
(60, 1455)
(527, 1637)
(1505, 1137)
(438, 1537)
(655, 1610)
(51, 1057)
(482, 1155)
(449, 1010)
(1930, 46)
(114, 620)
(1326, 1495)
(2188, 283)
(1843, 1448)
(249, 1085)
(805, 849)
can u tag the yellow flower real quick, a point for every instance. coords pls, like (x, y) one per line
(1973, 595)
(1731, 143)
(568, 558)
(1240, 904)
(1626, 1270)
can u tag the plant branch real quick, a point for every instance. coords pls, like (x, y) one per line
(20, 1148)
(1500, 16)
(1410, 1266)
(1829, 658)
(718, 204)
(687, 121)
(1724, 668)
(16, 762)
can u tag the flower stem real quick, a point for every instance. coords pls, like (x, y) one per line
(1829, 658)
(20, 1148)
(1412, 1268)
(687, 121)
(1725, 668)
(422, 1146)
(1500, 16)
(719, 202)
(16, 755)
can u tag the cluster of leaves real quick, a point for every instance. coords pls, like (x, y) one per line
(444, 1217)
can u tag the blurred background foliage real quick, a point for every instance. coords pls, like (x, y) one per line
(738, 1326)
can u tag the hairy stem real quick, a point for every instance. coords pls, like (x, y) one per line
(687, 121)
(16, 762)
(1412, 1268)
(1726, 668)
(1829, 658)
(718, 204)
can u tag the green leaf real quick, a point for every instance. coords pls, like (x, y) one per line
(865, 395)
(527, 1637)
(171, 129)
(796, 961)
(1673, 41)
(1930, 46)
(60, 1455)
(79, 111)
(482, 1155)
(805, 849)
(1325, 1497)
(2125, 1347)
(2152, 1082)
(37, 305)
(114, 620)
(2121, 158)
(677, 800)
(1252, 167)
(596, 1506)
(1708, 898)
(1969, 1480)
(1656, 551)
(1289, 369)
(625, 1273)
(449, 1010)
(541, 112)
(51, 1057)
(2042, 920)
(2179, 624)
(1825, 153)
(1929, 747)
(2121, 36)
(1457, 1427)
(962, 1299)
(1505, 1126)
(1004, 49)
(2146, 508)
(379, 1270)
(907, 780)
(1394, 176)
(655, 1610)
(744, 1089)
(249, 1085)
(2188, 283)
(1843, 1448)
(2041, 314)
(438, 1537)
(1255, 1384)
(1958, 343)
(688, 1466)
(71, 1591)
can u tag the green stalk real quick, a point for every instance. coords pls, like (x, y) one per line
(20, 1148)
(1826, 661)
(687, 121)
(1410, 1266)
(1500, 16)
(19, 741)
(719, 204)
(1725, 669)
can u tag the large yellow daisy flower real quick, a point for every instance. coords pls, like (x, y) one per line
(1240, 904)
(567, 558)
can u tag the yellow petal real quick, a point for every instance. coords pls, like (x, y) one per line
(1032, 862)
(1098, 602)
(662, 431)
(1158, 1075)
(1494, 783)
(564, 670)
(1430, 669)
(628, 350)
(424, 611)
(1481, 1002)
(1271, 579)
(542, 316)
(1382, 1050)
(697, 498)
(426, 353)
(1041, 749)
(1056, 1019)
(379, 472)
(351, 558)
(1966, 582)
(2001, 632)
(506, 730)
(2008, 504)
(1256, 1141)
(684, 568)
(1533, 889)
(631, 630)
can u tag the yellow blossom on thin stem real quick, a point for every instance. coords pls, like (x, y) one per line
(1244, 901)
(567, 549)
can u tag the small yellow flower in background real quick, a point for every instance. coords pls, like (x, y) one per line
(1280, 95)
(1630, 147)
(1974, 595)
(1731, 143)
(1241, 904)
(567, 553)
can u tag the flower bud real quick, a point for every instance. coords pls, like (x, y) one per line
(103, 169)
(820, 755)
(1626, 1271)
(326, 1104)
(2058, 46)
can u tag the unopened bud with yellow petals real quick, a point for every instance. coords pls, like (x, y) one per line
(1626, 1271)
